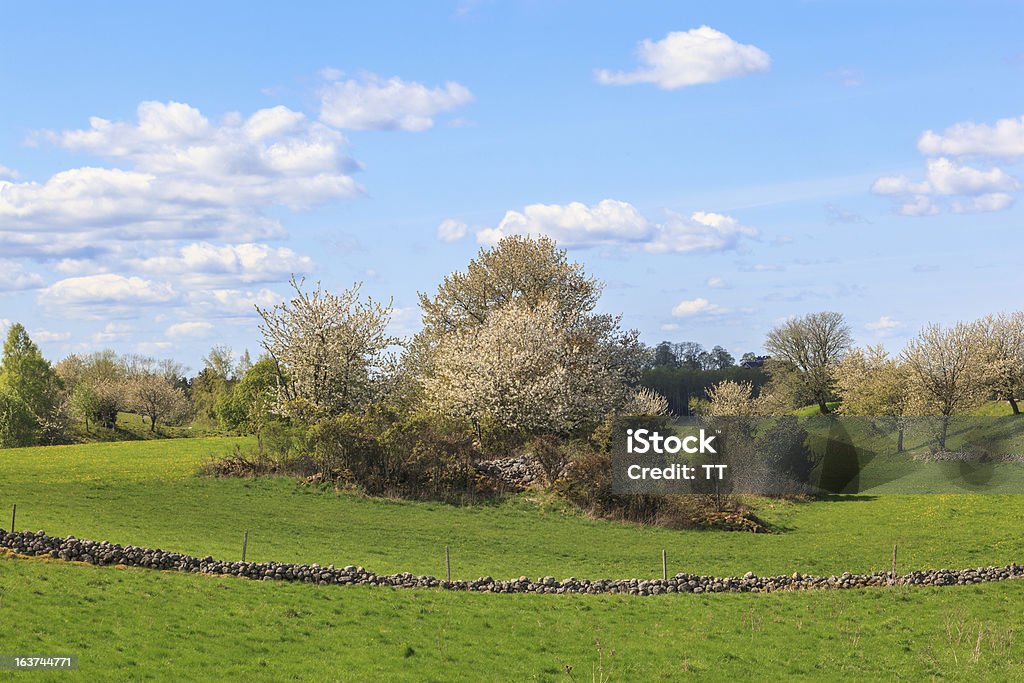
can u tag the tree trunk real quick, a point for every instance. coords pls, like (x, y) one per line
(152, 423)
(899, 441)
(945, 431)
(1013, 405)
(823, 406)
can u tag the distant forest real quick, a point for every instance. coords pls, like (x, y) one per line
(684, 371)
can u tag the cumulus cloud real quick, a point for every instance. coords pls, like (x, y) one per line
(248, 263)
(953, 185)
(884, 326)
(702, 231)
(230, 302)
(670, 327)
(451, 230)
(947, 178)
(1004, 139)
(190, 329)
(96, 295)
(575, 224)
(153, 347)
(6, 172)
(43, 336)
(373, 103)
(177, 176)
(112, 332)
(612, 222)
(692, 307)
(685, 58)
(13, 277)
(995, 201)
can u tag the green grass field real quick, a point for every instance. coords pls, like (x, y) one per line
(134, 624)
(167, 625)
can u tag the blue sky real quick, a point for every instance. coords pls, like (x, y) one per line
(722, 166)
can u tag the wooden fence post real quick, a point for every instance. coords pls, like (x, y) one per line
(448, 564)
(893, 573)
(245, 544)
(664, 564)
(14, 513)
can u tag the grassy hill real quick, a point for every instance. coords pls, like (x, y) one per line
(149, 493)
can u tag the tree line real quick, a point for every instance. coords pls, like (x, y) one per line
(513, 357)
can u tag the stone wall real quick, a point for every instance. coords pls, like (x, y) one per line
(104, 553)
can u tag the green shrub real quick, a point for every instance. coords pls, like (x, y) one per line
(18, 426)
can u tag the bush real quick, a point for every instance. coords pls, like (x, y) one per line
(18, 426)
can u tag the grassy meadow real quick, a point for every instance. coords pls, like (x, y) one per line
(140, 625)
(129, 623)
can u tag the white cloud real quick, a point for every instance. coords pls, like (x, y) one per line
(1004, 139)
(153, 347)
(44, 336)
(203, 262)
(884, 323)
(885, 326)
(611, 222)
(189, 329)
(685, 58)
(969, 189)
(180, 176)
(6, 172)
(996, 201)
(899, 185)
(918, 205)
(79, 266)
(947, 178)
(699, 306)
(702, 231)
(717, 283)
(112, 332)
(373, 103)
(574, 225)
(104, 290)
(451, 230)
(670, 327)
(230, 303)
(13, 277)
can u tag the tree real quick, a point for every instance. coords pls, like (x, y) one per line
(155, 396)
(518, 268)
(243, 365)
(664, 355)
(720, 359)
(330, 350)
(737, 399)
(1005, 333)
(526, 370)
(514, 340)
(29, 376)
(249, 405)
(950, 371)
(647, 403)
(812, 346)
(221, 360)
(691, 355)
(18, 426)
(872, 384)
(98, 391)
